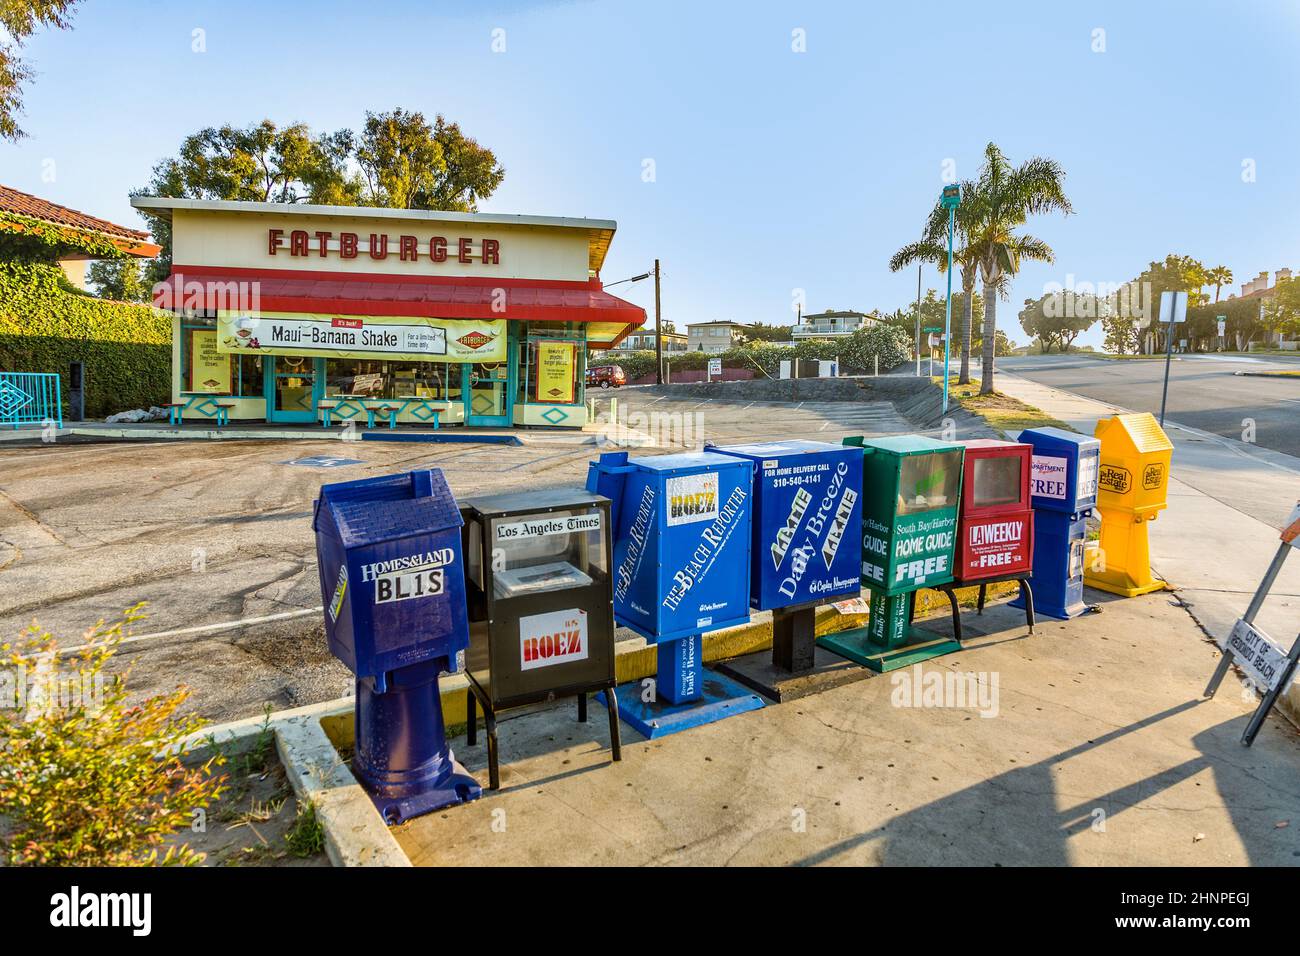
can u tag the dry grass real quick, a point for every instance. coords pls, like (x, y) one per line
(1009, 416)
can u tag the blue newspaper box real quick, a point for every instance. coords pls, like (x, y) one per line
(1063, 491)
(681, 558)
(807, 510)
(392, 581)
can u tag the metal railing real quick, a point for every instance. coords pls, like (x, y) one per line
(30, 398)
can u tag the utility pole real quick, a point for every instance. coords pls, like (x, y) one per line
(659, 334)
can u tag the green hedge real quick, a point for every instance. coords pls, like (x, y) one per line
(856, 354)
(44, 328)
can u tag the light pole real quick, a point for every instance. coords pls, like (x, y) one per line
(950, 200)
(659, 339)
(918, 320)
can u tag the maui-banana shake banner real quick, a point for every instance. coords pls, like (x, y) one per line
(386, 337)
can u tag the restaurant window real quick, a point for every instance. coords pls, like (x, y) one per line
(203, 367)
(552, 360)
(368, 378)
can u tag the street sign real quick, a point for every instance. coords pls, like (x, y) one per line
(1173, 309)
(1256, 654)
(1291, 530)
(1223, 325)
(951, 198)
(1267, 666)
(1173, 304)
(933, 328)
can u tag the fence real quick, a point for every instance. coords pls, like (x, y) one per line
(30, 398)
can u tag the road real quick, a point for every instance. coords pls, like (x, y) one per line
(1204, 391)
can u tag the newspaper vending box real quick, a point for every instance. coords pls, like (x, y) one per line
(389, 555)
(541, 622)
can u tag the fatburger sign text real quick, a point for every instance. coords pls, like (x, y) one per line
(323, 243)
(410, 338)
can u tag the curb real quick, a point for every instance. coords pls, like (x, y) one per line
(309, 739)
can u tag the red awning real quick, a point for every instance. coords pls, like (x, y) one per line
(444, 297)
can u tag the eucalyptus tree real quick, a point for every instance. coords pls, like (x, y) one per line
(1003, 198)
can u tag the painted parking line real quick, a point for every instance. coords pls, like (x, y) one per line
(208, 628)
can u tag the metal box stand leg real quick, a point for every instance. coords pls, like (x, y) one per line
(889, 641)
(490, 723)
(1024, 599)
(796, 666)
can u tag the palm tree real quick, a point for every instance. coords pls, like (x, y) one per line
(933, 248)
(1003, 198)
(1219, 276)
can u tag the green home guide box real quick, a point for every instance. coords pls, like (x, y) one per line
(911, 487)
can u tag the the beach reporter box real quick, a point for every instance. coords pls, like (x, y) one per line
(807, 542)
(681, 548)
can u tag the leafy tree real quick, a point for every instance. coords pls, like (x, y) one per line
(20, 19)
(408, 164)
(1054, 319)
(1122, 333)
(1003, 198)
(765, 332)
(1176, 273)
(403, 163)
(1282, 312)
(1242, 320)
(259, 163)
(122, 280)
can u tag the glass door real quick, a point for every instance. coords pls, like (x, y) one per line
(292, 386)
(487, 394)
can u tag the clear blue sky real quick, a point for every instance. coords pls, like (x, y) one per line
(775, 170)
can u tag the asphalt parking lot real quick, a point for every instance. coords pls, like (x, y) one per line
(215, 537)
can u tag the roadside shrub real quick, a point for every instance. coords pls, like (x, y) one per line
(44, 327)
(87, 779)
(855, 353)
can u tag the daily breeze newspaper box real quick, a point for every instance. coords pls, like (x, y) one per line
(537, 570)
(806, 545)
(389, 556)
(807, 512)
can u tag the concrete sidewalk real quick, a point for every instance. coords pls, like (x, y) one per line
(1092, 747)
(1227, 502)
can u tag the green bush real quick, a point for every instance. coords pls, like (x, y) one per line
(855, 353)
(90, 777)
(44, 327)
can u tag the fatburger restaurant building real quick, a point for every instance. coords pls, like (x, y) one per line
(295, 313)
